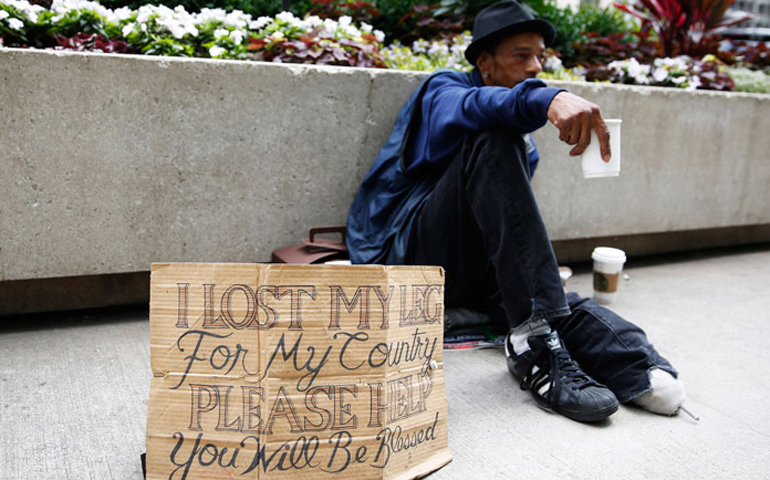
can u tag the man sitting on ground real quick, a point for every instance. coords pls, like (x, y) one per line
(451, 187)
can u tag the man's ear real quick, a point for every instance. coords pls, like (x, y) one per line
(484, 63)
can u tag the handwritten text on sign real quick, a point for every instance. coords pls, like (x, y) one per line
(307, 370)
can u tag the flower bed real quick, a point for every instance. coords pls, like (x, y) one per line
(211, 33)
(605, 55)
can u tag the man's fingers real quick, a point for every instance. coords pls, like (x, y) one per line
(575, 118)
(603, 134)
(574, 134)
(584, 137)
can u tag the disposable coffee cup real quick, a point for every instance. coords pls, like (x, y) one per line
(593, 165)
(608, 266)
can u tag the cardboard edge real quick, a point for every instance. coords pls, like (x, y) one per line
(430, 465)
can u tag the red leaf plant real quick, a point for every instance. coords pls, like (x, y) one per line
(316, 50)
(682, 25)
(85, 42)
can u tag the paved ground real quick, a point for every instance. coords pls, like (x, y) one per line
(74, 388)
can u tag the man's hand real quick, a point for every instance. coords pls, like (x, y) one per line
(575, 117)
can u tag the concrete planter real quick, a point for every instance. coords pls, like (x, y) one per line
(109, 162)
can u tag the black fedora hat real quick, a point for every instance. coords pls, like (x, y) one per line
(505, 18)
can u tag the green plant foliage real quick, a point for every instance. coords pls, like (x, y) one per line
(573, 27)
(73, 22)
(601, 50)
(423, 55)
(287, 39)
(255, 8)
(391, 16)
(751, 81)
(24, 24)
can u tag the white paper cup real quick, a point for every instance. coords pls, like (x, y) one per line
(608, 267)
(593, 165)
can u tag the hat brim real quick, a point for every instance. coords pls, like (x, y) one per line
(536, 25)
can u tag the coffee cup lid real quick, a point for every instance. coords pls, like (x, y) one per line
(609, 254)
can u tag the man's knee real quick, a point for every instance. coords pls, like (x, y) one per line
(489, 147)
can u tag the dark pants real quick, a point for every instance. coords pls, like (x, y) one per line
(482, 224)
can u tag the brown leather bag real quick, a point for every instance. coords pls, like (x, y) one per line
(314, 249)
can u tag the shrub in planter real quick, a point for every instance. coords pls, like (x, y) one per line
(288, 39)
(682, 25)
(601, 50)
(747, 80)
(255, 8)
(84, 42)
(574, 27)
(359, 11)
(423, 23)
(159, 30)
(23, 24)
(680, 72)
(424, 55)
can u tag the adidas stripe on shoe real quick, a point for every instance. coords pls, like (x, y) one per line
(557, 383)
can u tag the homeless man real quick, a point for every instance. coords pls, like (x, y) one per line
(451, 187)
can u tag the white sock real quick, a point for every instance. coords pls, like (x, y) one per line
(520, 334)
(667, 394)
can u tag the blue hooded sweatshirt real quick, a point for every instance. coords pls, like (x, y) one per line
(429, 130)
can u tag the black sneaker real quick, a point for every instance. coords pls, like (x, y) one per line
(556, 381)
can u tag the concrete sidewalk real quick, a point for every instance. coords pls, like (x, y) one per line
(74, 389)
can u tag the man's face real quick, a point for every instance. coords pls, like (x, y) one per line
(516, 59)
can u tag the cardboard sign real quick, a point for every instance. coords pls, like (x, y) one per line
(296, 372)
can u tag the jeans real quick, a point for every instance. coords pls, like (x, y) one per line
(609, 348)
(481, 223)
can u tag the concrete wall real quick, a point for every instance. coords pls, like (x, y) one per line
(109, 163)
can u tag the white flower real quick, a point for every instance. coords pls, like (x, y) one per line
(128, 29)
(123, 13)
(4, 14)
(312, 22)
(366, 28)
(636, 69)
(286, 17)
(236, 36)
(144, 14)
(172, 26)
(552, 63)
(330, 25)
(379, 35)
(15, 24)
(277, 36)
(345, 20)
(678, 80)
(144, 27)
(420, 46)
(659, 74)
(216, 51)
(438, 49)
(694, 83)
(236, 19)
(221, 32)
(207, 15)
(678, 63)
(260, 23)
(350, 31)
(189, 27)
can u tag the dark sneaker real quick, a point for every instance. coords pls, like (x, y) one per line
(557, 383)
